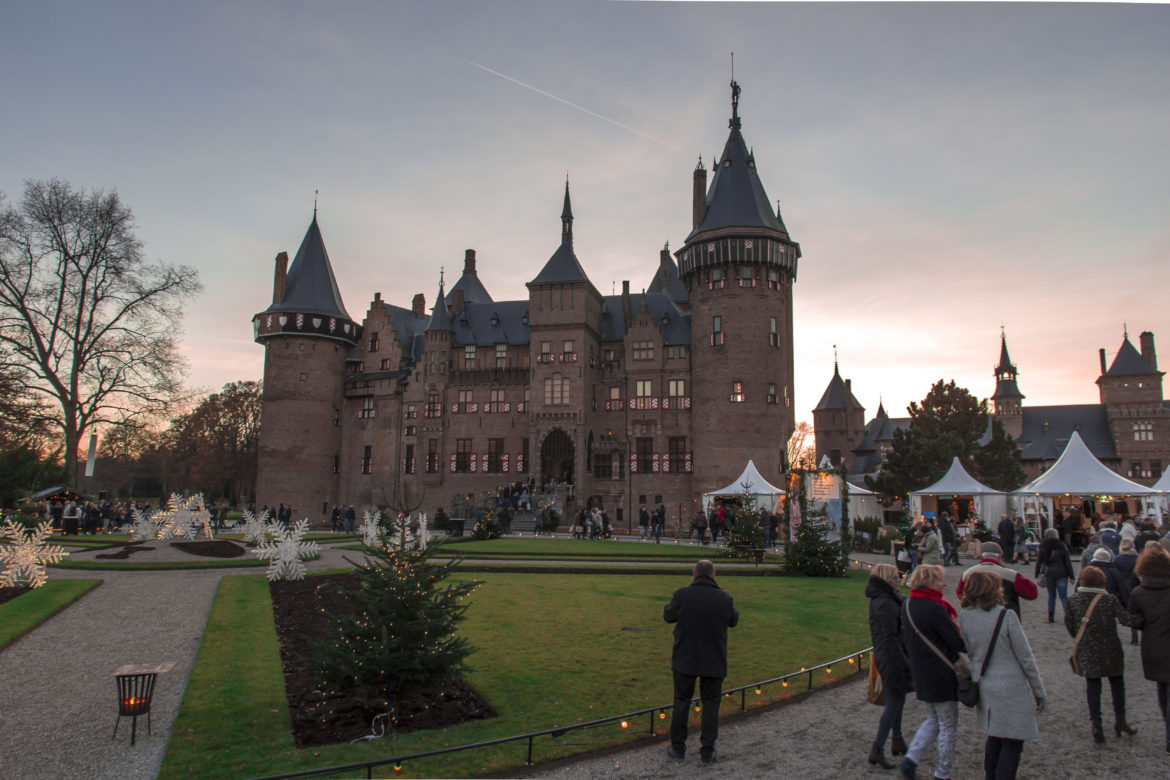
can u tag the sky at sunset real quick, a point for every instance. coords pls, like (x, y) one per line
(948, 169)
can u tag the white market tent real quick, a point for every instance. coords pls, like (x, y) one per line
(864, 504)
(750, 483)
(957, 482)
(1163, 488)
(1077, 472)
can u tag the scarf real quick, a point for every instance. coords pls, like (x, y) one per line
(937, 597)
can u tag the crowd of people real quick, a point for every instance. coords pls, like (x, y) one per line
(923, 645)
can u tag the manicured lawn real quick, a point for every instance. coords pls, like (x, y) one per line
(551, 649)
(24, 613)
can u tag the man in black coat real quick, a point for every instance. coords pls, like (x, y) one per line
(702, 613)
(1007, 534)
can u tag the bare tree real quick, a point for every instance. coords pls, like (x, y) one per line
(90, 327)
(801, 447)
(215, 447)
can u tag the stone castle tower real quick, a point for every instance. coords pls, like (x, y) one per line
(838, 421)
(306, 334)
(738, 265)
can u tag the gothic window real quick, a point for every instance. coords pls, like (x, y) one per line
(644, 388)
(717, 281)
(497, 400)
(603, 465)
(747, 276)
(774, 278)
(411, 411)
(679, 351)
(615, 393)
(1155, 468)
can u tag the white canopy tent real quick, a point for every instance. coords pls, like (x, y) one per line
(1163, 488)
(749, 483)
(864, 504)
(1077, 472)
(957, 482)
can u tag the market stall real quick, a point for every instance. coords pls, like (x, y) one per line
(957, 483)
(749, 483)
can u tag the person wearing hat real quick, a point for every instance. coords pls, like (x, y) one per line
(1103, 560)
(1015, 585)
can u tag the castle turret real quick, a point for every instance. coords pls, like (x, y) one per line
(307, 335)
(738, 265)
(1131, 391)
(838, 421)
(1007, 401)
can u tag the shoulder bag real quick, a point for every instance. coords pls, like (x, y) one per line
(874, 692)
(968, 687)
(1072, 659)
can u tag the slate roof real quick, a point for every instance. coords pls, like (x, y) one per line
(1090, 420)
(614, 326)
(563, 267)
(673, 286)
(484, 324)
(473, 290)
(440, 319)
(1129, 362)
(310, 287)
(836, 395)
(1007, 388)
(736, 196)
(880, 428)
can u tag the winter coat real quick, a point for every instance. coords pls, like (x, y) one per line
(1150, 604)
(702, 612)
(1112, 540)
(1053, 553)
(885, 631)
(1100, 653)
(1015, 585)
(929, 552)
(947, 529)
(1007, 535)
(1007, 692)
(1113, 583)
(934, 680)
(1123, 564)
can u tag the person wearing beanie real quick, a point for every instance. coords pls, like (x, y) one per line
(1110, 538)
(1093, 546)
(1015, 585)
(1103, 560)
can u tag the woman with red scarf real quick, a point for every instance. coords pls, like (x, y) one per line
(931, 636)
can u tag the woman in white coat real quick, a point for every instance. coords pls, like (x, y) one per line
(1011, 692)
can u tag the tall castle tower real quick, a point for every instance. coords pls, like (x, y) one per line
(1131, 391)
(738, 265)
(838, 421)
(307, 336)
(1007, 399)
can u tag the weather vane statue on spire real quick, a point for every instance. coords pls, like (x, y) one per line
(734, 124)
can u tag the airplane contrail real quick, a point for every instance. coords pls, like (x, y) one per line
(574, 105)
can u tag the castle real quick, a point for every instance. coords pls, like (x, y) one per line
(1128, 431)
(624, 401)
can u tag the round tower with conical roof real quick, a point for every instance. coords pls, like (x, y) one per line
(307, 336)
(739, 264)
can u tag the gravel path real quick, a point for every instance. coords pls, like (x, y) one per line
(828, 734)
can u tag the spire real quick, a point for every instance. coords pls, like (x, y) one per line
(440, 319)
(310, 287)
(1005, 367)
(1007, 396)
(567, 217)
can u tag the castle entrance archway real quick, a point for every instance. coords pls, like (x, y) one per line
(556, 457)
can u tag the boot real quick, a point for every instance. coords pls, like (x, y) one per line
(877, 757)
(1098, 733)
(1051, 617)
(898, 745)
(909, 769)
(1120, 726)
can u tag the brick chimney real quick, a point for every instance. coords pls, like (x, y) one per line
(280, 278)
(1148, 352)
(626, 301)
(1104, 367)
(469, 262)
(699, 195)
(418, 306)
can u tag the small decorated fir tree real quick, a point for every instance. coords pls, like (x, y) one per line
(487, 527)
(745, 534)
(812, 553)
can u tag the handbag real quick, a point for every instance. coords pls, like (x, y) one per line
(874, 692)
(1072, 659)
(1042, 580)
(968, 687)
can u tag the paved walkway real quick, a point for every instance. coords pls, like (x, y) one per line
(828, 734)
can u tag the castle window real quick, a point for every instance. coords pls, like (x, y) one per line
(676, 389)
(717, 330)
(608, 356)
(1143, 431)
(773, 335)
(497, 400)
(387, 364)
(469, 356)
(677, 454)
(495, 453)
(679, 351)
(643, 350)
(737, 394)
(774, 278)
(432, 456)
(522, 466)
(367, 409)
(357, 366)
(368, 460)
(463, 455)
(556, 390)
(434, 406)
(603, 465)
(1155, 468)
(546, 355)
(501, 355)
(411, 411)
(771, 392)
(1135, 469)
(747, 276)
(336, 463)
(615, 393)
(716, 279)
(644, 447)
(644, 388)
(408, 461)
(465, 397)
(567, 353)
(410, 430)
(373, 342)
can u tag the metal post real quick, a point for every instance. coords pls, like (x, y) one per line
(743, 701)
(529, 762)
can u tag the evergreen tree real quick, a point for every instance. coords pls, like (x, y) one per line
(997, 464)
(745, 535)
(396, 633)
(812, 553)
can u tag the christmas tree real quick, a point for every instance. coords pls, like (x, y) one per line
(812, 554)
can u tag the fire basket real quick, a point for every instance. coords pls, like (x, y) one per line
(135, 691)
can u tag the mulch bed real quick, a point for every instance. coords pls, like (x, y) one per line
(304, 612)
(8, 594)
(216, 548)
(123, 551)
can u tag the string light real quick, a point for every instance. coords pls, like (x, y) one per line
(625, 725)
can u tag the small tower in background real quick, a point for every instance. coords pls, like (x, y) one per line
(1007, 400)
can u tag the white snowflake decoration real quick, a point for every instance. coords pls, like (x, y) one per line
(422, 531)
(400, 534)
(174, 521)
(200, 515)
(145, 528)
(24, 560)
(371, 529)
(285, 551)
(254, 526)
